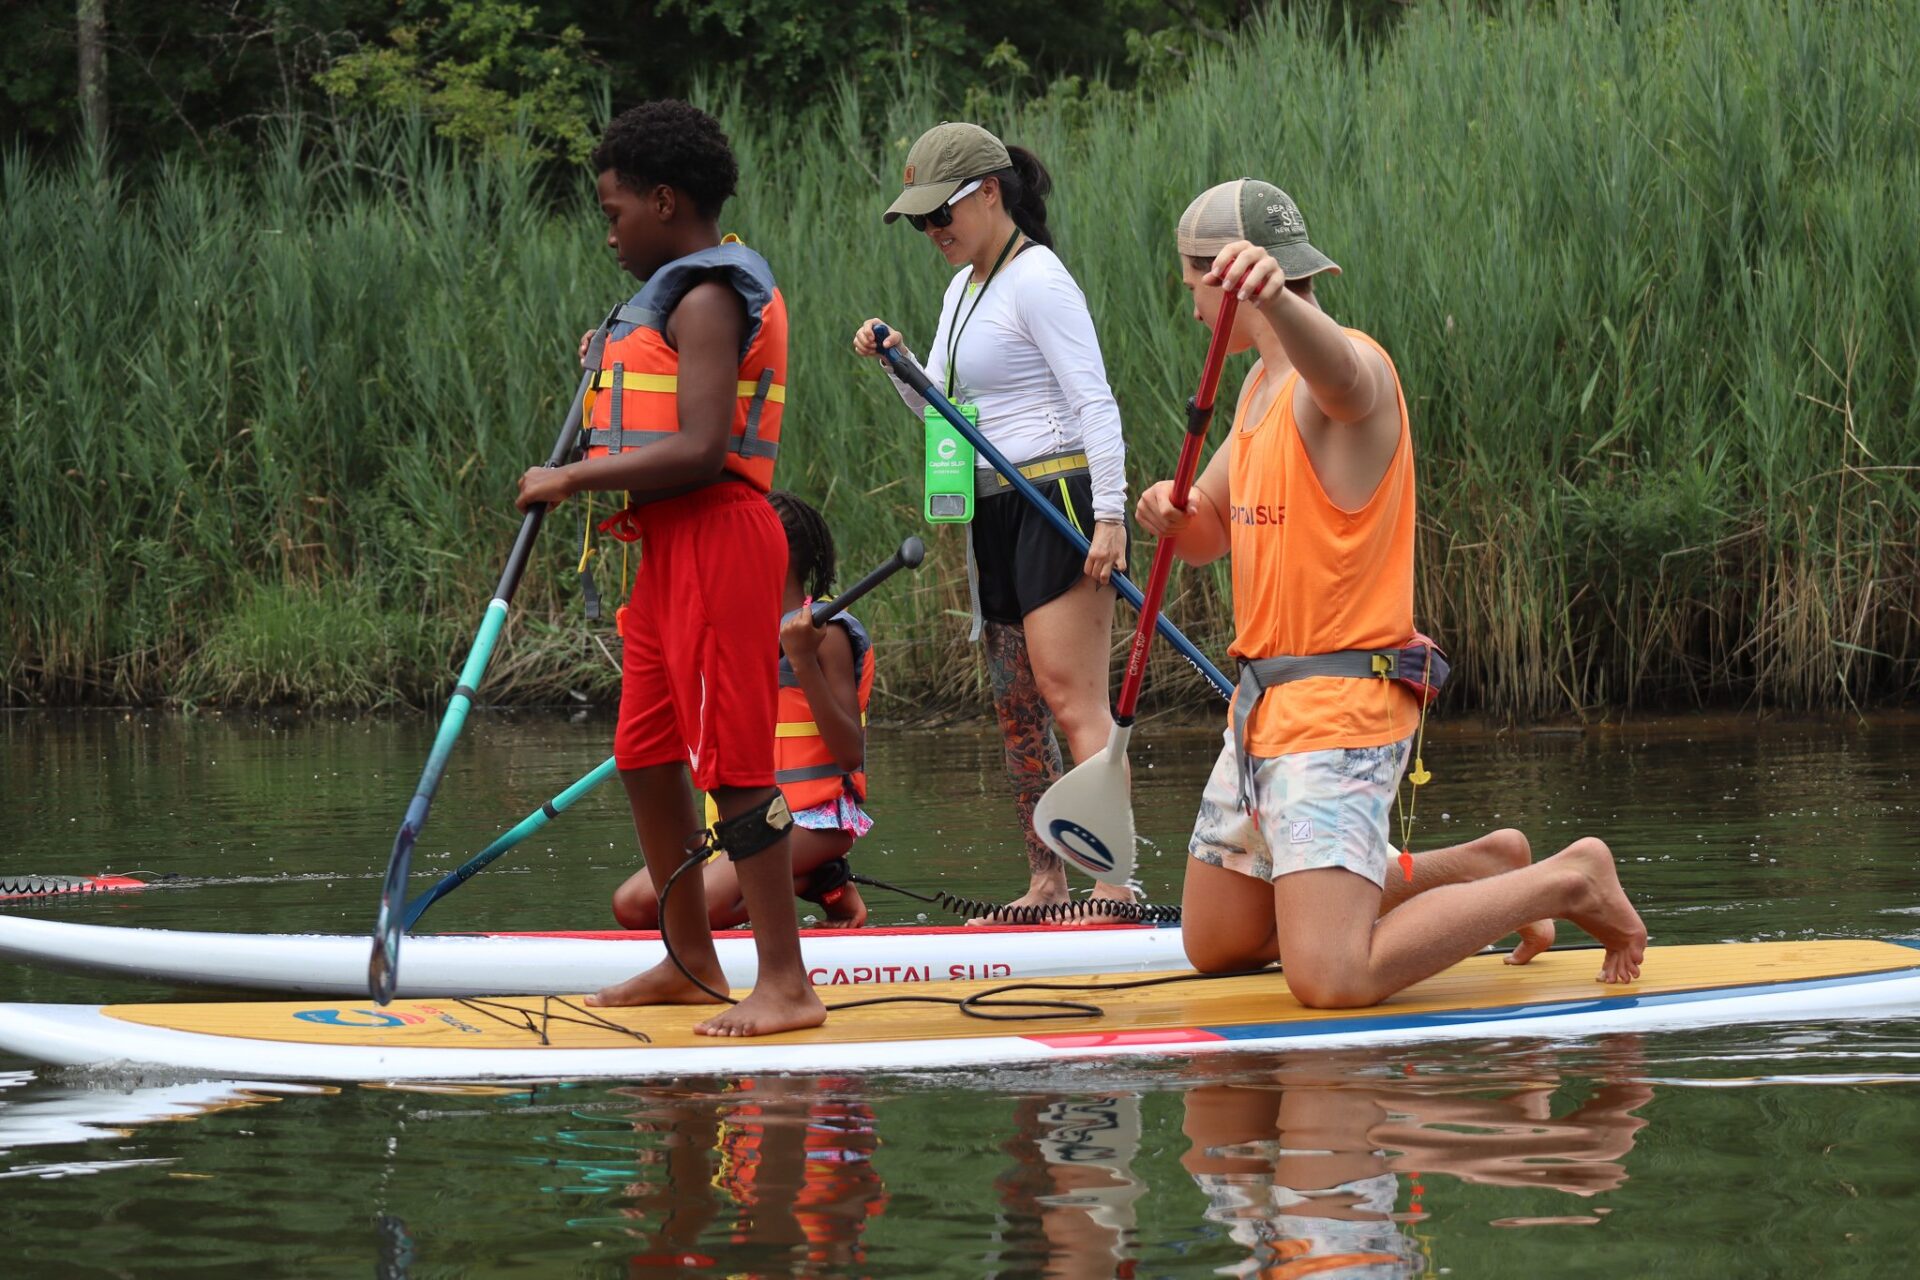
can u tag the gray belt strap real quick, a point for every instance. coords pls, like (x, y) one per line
(808, 773)
(1257, 675)
(617, 438)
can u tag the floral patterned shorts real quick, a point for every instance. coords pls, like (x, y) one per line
(1314, 809)
(842, 813)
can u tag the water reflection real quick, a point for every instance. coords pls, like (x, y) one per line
(84, 1107)
(1315, 1163)
(1305, 1164)
(1068, 1198)
(777, 1173)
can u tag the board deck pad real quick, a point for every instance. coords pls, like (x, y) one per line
(1482, 989)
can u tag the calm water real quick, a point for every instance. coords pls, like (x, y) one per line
(1784, 1150)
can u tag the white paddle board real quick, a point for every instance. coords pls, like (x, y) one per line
(547, 1037)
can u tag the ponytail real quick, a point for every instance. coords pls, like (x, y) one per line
(1024, 187)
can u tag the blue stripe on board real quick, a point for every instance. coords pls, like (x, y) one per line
(1523, 1012)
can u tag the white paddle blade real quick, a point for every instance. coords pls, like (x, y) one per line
(1087, 816)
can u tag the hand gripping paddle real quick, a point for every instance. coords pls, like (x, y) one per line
(1087, 816)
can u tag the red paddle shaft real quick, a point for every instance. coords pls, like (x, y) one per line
(1199, 414)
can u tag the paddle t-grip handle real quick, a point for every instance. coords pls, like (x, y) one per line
(909, 556)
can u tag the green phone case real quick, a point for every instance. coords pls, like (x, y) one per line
(949, 469)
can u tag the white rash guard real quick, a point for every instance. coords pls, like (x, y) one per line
(1029, 360)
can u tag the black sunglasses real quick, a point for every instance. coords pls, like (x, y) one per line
(943, 216)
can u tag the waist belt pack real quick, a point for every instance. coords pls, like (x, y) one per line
(1418, 666)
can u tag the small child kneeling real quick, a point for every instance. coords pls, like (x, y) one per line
(826, 678)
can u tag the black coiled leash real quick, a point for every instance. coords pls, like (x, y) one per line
(1085, 909)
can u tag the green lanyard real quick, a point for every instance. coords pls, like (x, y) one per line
(953, 339)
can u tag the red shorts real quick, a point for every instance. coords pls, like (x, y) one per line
(700, 653)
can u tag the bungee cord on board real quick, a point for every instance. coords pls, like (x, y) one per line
(1084, 910)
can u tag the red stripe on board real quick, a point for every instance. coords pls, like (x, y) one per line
(1105, 1039)
(886, 931)
(82, 884)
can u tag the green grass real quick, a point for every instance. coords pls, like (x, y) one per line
(1651, 274)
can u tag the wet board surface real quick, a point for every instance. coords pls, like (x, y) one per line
(1556, 995)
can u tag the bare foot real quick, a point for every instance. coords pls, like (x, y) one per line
(1091, 912)
(848, 911)
(1009, 913)
(1534, 938)
(1604, 911)
(769, 1008)
(662, 984)
(1509, 850)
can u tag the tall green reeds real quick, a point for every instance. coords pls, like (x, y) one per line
(1650, 272)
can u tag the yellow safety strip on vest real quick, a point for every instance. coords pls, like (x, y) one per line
(805, 728)
(669, 383)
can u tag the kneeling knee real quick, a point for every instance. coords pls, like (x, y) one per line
(1590, 847)
(1511, 846)
(635, 909)
(1208, 957)
(1330, 991)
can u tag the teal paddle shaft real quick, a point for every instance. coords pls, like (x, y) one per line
(909, 556)
(383, 967)
(525, 827)
(914, 376)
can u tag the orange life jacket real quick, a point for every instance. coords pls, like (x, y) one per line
(635, 396)
(802, 765)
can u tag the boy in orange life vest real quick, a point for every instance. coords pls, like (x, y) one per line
(819, 749)
(686, 422)
(1313, 498)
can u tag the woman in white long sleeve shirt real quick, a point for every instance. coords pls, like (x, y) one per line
(1015, 341)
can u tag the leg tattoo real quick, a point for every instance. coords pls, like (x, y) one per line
(1026, 727)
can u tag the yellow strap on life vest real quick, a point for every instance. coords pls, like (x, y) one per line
(586, 536)
(805, 728)
(669, 383)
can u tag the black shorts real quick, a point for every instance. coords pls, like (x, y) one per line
(1023, 561)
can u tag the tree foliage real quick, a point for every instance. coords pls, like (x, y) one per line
(483, 71)
(205, 75)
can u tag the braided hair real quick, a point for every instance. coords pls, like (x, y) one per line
(809, 543)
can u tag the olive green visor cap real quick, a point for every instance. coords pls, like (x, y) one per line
(944, 159)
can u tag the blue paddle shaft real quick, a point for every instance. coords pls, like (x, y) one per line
(520, 831)
(916, 377)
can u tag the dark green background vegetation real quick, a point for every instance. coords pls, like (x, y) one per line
(275, 344)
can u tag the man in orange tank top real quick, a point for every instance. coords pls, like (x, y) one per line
(1313, 498)
(698, 687)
